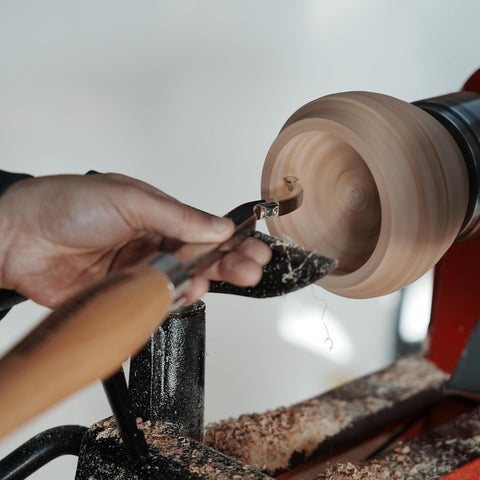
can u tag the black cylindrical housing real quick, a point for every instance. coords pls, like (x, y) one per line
(167, 377)
(459, 113)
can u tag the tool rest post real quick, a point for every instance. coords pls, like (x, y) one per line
(167, 376)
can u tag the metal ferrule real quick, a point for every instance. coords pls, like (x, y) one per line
(266, 210)
(175, 271)
(459, 113)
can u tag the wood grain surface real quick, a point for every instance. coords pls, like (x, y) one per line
(87, 338)
(385, 189)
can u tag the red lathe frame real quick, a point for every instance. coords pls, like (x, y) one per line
(456, 306)
(456, 293)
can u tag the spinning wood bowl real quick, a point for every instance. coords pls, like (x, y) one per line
(385, 189)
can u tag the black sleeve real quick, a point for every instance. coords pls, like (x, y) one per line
(9, 298)
(8, 178)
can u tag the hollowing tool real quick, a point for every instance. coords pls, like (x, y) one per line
(388, 188)
(193, 259)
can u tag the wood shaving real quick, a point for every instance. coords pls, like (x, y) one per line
(268, 441)
(163, 442)
(432, 456)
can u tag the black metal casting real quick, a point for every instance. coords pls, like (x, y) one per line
(172, 457)
(41, 449)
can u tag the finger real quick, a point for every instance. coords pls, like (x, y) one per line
(165, 216)
(256, 250)
(237, 269)
(198, 287)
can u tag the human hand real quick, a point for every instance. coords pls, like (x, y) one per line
(61, 233)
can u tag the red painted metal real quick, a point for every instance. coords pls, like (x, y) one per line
(456, 294)
(456, 306)
(456, 303)
(470, 471)
(473, 83)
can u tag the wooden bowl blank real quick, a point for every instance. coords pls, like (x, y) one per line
(385, 189)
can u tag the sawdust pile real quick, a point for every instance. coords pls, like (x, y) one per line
(349, 471)
(400, 467)
(163, 442)
(108, 429)
(422, 460)
(425, 461)
(156, 435)
(268, 441)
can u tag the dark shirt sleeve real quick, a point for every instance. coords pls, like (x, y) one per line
(9, 298)
(8, 178)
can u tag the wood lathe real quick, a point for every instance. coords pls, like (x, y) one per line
(391, 189)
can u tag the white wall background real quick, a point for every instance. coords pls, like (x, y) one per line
(189, 95)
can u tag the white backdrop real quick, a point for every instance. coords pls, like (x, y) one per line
(188, 96)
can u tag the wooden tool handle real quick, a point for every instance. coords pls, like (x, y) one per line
(86, 338)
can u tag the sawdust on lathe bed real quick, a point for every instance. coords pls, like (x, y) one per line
(162, 441)
(267, 441)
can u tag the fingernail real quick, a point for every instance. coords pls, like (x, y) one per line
(221, 224)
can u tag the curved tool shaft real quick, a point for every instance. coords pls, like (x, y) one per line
(198, 257)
